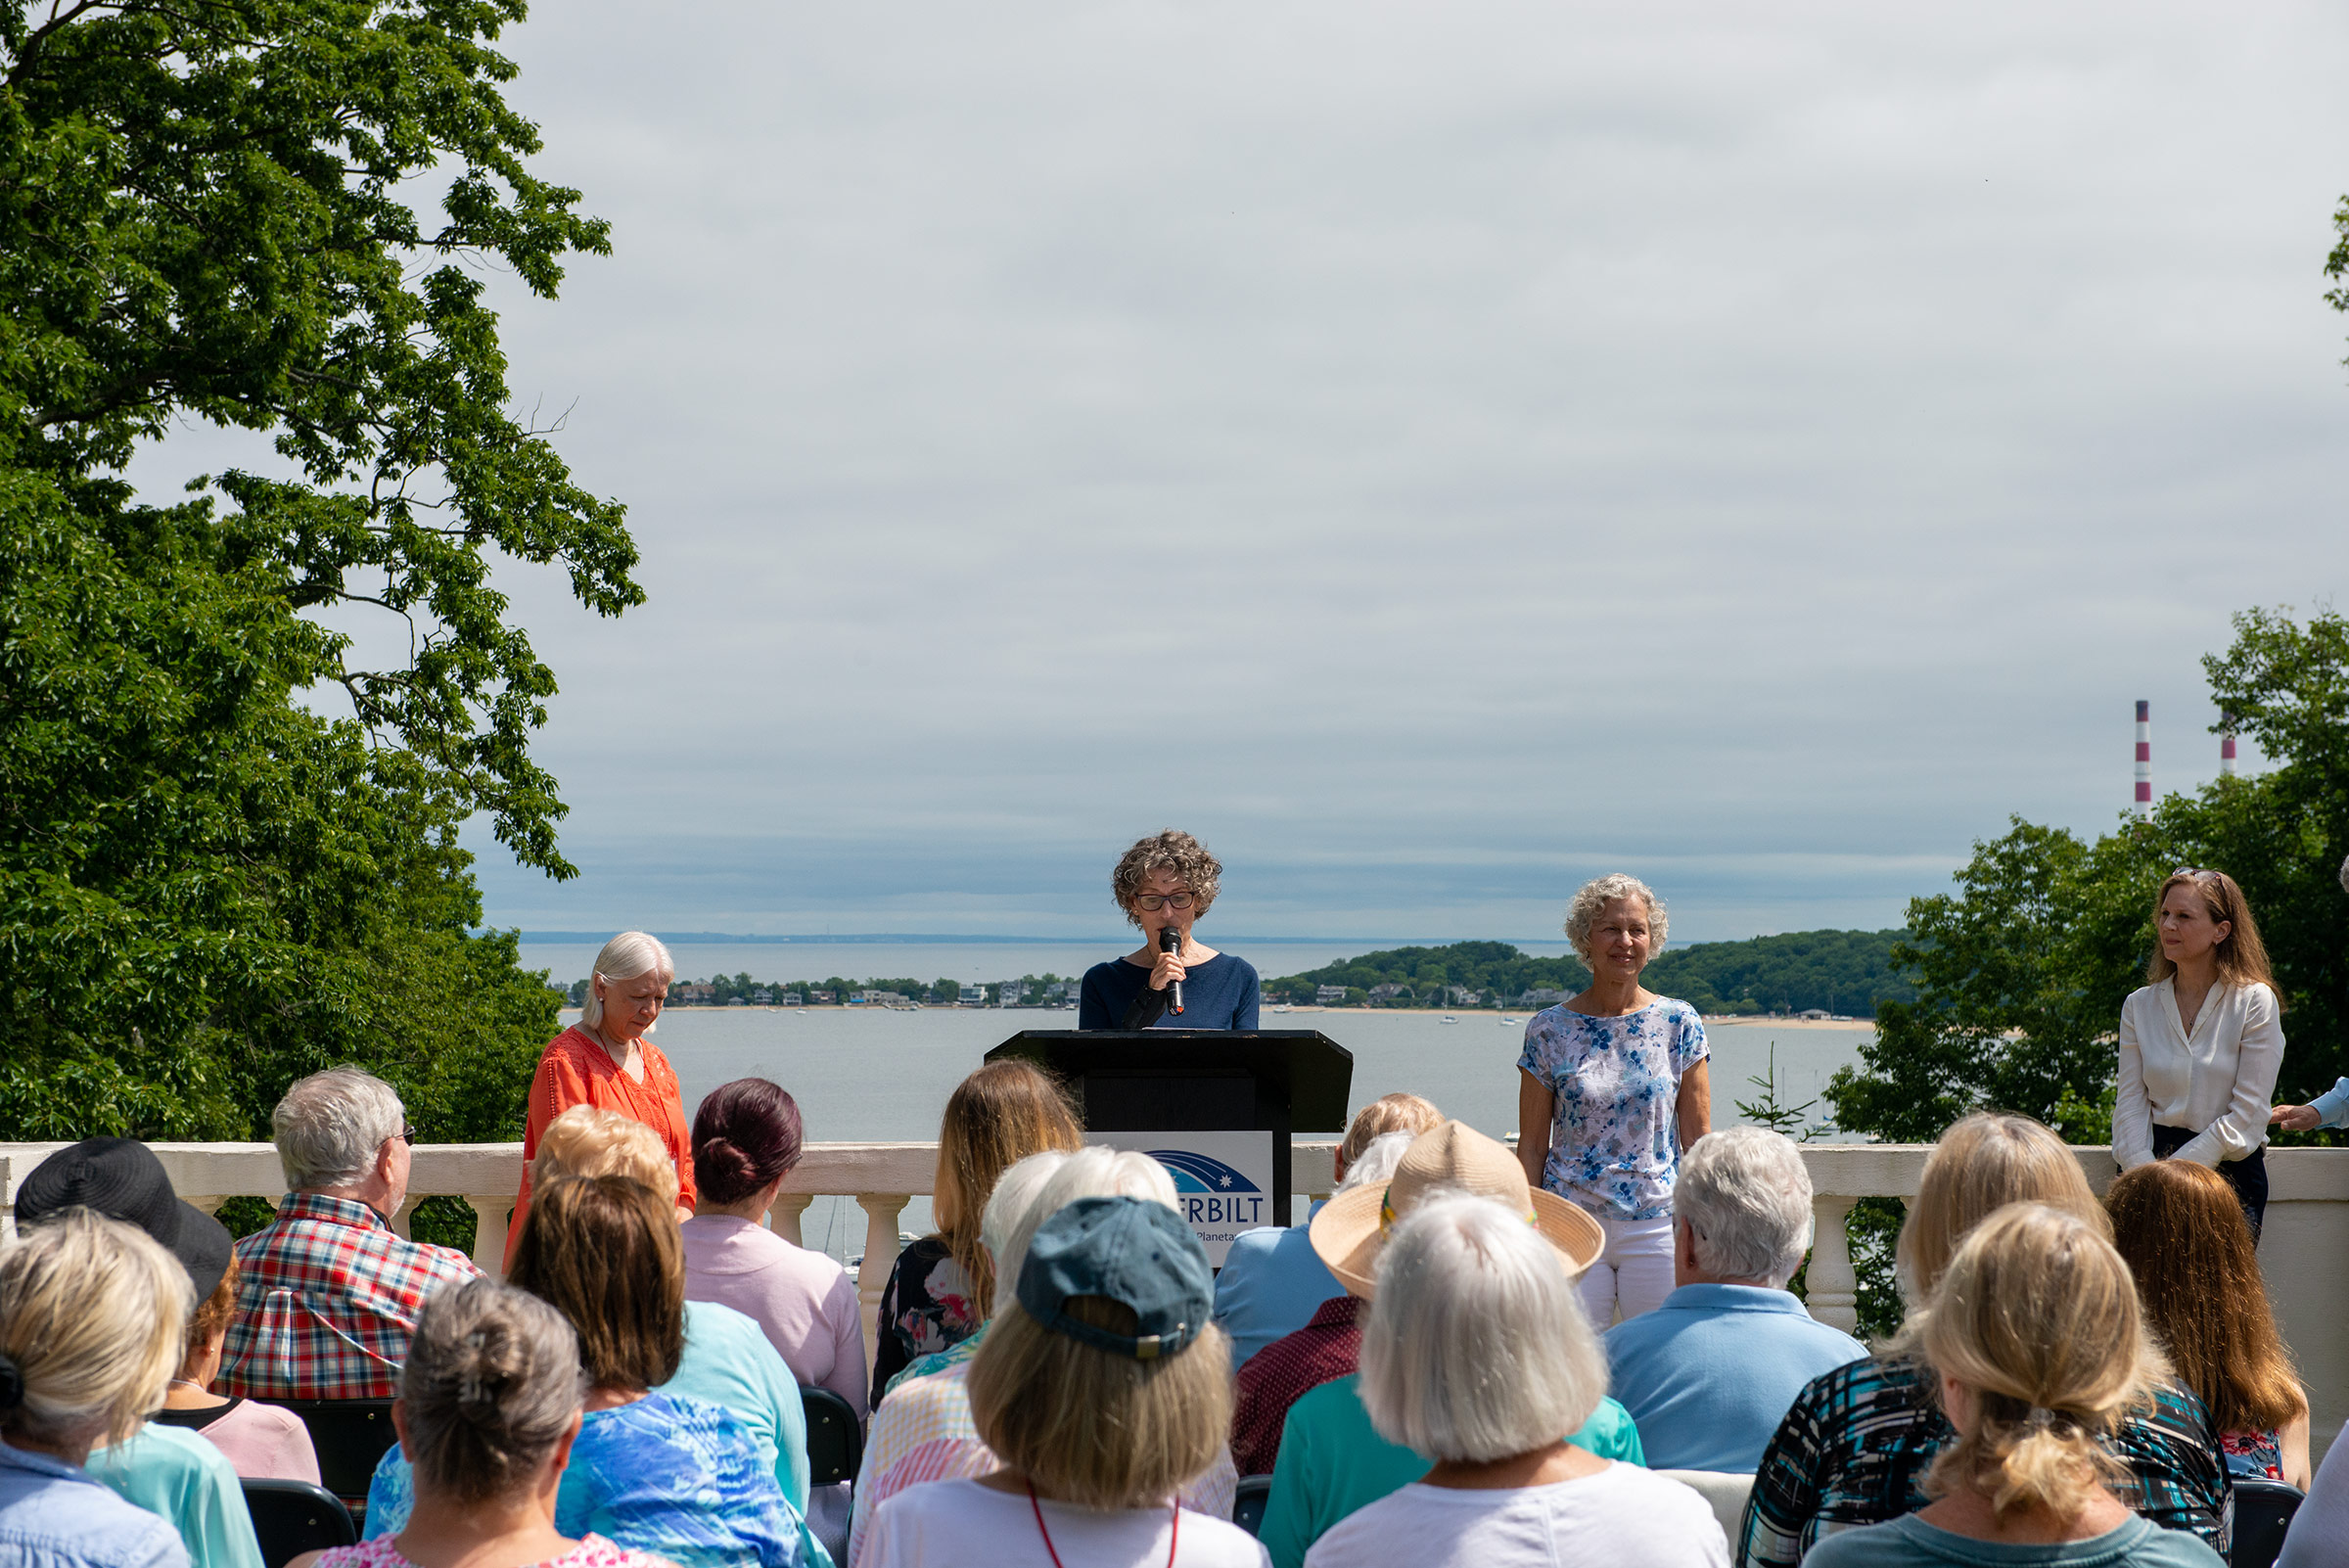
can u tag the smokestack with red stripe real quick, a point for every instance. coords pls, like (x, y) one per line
(2145, 761)
(2225, 746)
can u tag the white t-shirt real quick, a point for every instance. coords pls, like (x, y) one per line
(1625, 1517)
(950, 1524)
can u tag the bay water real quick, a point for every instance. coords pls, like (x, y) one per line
(870, 1074)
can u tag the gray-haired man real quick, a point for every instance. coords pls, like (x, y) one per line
(1710, 1373)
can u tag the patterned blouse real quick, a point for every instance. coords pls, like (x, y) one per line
(2253, 1455)
(665, 1474)
(1614, 1131)
(925, 1307)
(592, 1552)
(1855, 1449)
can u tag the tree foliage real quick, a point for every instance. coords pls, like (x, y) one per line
(1839, 971)
(2020, 972)
(209, 885)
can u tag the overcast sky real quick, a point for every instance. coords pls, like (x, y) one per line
(1435, 452)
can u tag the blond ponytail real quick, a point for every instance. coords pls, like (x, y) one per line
(2037, 1317)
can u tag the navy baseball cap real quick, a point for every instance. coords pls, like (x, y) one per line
(1132, 1251)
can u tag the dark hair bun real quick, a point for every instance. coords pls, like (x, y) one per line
(745, 1134)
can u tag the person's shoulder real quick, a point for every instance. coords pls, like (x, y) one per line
(1111, 971)
(1654, 1491)
(1208, 1542)
(2156, 1547)
(596, 1552)
(1680, 1014)
(156, 1449)
(2143, 995)
(1327, 1403)
(718, 1324)
(1890, 1545)
(1255, 1246)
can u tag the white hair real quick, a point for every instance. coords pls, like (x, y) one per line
(624, 957)
(1377, 1162)
(1015, 1189)
(1591, 902)
(1089, 1173)
(331, 1125)
(1746, 1196)
(1476, 1348)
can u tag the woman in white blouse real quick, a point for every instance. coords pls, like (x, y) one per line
(2200, 1045)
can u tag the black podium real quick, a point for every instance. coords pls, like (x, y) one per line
(1217, 1107)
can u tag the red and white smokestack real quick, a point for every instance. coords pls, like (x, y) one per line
(2144, 760)
(2227, 746)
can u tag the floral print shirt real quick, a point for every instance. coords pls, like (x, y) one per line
(1614, 1131)
(926, 1308)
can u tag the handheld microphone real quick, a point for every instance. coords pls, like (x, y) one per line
(1170, 939)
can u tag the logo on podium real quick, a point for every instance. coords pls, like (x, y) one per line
(1222, 1181)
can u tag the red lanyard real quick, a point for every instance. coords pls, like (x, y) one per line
(1173, 1529)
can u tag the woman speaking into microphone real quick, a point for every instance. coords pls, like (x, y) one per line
(1165, 884)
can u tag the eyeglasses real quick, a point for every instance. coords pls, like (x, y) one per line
(1155, 902)
(2196, 871)
(406, 1135)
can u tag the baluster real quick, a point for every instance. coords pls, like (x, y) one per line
(882, 1210)
(400, 1220)
(1831, 1289)
(490, 1211)
(784, 1218)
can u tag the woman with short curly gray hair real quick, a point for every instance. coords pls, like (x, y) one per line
(1173, 981)
(1612, 1090)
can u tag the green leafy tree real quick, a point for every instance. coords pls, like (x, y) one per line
(209, 886)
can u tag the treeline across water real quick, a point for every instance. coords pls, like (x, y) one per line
(1841, 972)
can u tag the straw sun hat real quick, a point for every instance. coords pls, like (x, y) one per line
(1350, 1231)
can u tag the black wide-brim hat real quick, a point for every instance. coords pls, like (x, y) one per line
(122, 1179)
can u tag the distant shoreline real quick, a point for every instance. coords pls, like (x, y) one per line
(1463, 1014)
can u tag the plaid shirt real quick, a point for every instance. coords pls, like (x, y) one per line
(328, 1297)
(1855, 1449)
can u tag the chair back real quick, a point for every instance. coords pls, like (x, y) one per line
(349, 1436)
(835, 1442)
(2263, 1512)
(292, 1517)
(1725, 1492)
(1248, 1503)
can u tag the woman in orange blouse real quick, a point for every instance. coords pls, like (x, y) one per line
(606, 1060)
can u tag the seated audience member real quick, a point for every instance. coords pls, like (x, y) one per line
(91, 1312)
(487, 1416)
(662, 1473)
(2180, 1230)
(330, 1292)
(1334, 1461)
(162, 1469)
(942, 1286)
(1477, 1355)
(262, 1441)
(1856, 1445)
(1708, 1374)
(728, 1362)
(1008, 1210)
(2035, 1345)
(924, 1430)
(1325, 1347)
(2319, 1537)
(1103, 1387)
(746, 1139)
(1271, 1283)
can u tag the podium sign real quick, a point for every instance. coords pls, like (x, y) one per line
(1215, 1107)
(1224, 1182)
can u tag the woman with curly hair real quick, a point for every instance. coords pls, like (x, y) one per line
(1613, 1087)
(1165, 884)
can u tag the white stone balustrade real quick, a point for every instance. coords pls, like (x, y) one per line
(2304, 1250)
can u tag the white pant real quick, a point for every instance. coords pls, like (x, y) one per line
(1634, 1271)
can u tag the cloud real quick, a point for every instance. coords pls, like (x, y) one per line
(1435, 452)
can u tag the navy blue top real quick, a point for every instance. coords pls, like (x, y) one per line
(1219, 994)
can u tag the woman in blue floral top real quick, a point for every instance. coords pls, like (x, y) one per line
(1613, 1088)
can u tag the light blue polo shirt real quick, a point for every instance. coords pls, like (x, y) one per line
(1711, 1372)
(1270, 1286)
(178, 1476)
